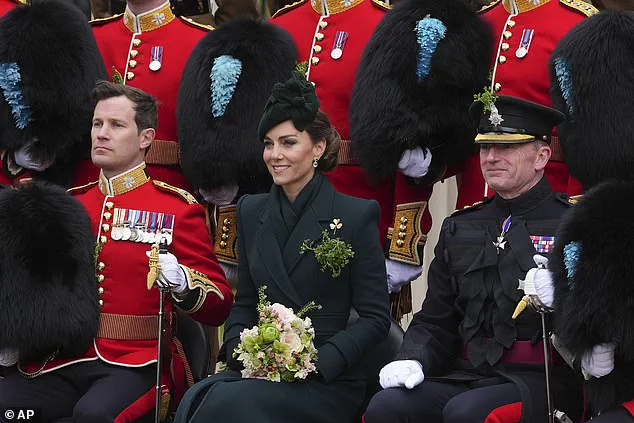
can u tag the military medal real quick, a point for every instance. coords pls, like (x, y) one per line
(126, 232)
(337, 48)
(167, 228)
(156, 60)
(142, 227)
(525, 43)
(151, 237)
(501, 242)
(134, 233)
(116, 227)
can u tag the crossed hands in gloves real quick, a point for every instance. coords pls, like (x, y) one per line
(171, 276)
(401, 373)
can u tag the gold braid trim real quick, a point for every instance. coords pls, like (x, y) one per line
(196, 279)
(580, 6)
(488, 6)
(406, 233)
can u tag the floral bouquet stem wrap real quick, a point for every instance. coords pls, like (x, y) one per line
(280, 347)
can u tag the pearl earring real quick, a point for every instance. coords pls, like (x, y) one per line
(315, 164)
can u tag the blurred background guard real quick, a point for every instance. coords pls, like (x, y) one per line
(592, 271)
(47, 79)
(112, 378)
(226, 83)
(463, 355)
(147, 48)
(409, 119)
(525, 32)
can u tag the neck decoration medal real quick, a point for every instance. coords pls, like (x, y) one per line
(501, 242)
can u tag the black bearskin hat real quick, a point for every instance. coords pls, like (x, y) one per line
(48, 299)
(415, 83)
(49, 64)
(594, 293)
(226, 82)
(592, 78)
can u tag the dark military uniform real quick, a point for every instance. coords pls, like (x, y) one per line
(464, 335)
(474, 355)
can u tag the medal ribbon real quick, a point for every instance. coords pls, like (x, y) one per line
(157, 54)
(340, 40)
(527, 37)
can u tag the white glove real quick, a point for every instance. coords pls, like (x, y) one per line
(599, 361)
(171, 276)
(415, 163)
(221, 196)
(398, 274)
(539, 281)
(24, 158)
(8, 357)
(401, 373)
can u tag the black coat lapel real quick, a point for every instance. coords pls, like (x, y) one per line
(272, 258)
(313, 220)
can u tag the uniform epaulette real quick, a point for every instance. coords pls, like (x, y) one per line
(580, 6)
(81, 188)
(101, 21)
(195, 24)
(475, 206)
(569, 200)
(288, 7)
(382, 5)
(181, 192)
(488, 6)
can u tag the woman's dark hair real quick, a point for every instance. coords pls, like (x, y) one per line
(321, 128)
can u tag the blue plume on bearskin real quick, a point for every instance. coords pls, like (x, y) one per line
(225, 73)
(49, 65)
(593, 86)
(217, 130)
(594, 293)
(429, 32)
(415, 83)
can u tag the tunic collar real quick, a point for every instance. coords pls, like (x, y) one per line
(150, 20)
(123, 182)
(331, 7)
(529, 200)
(521, 6)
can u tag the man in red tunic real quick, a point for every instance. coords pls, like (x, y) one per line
(525, 33)
(113, 380)
(147, 47)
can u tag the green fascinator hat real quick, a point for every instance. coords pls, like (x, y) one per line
(294, 100)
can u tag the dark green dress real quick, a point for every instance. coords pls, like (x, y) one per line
(270, 232)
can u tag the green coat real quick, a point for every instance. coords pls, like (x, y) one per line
(294, 279)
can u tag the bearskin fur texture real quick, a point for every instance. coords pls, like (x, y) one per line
(48, 299)
(392, 110)
(596, 305)
(225, 150)
(597, 97)
(53, 45)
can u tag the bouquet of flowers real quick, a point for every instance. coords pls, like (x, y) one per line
(280, 347)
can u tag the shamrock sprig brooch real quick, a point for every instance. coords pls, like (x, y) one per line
(332, 254)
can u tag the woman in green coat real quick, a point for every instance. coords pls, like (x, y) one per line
(300, 143)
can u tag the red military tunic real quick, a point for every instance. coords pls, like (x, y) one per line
(8, 5)
(403, 205)
(526, 77)
(126, 42)
(128, 310)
